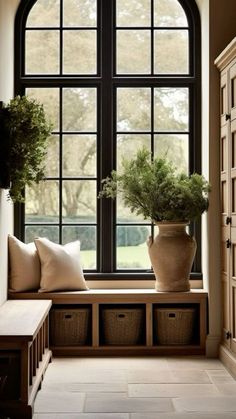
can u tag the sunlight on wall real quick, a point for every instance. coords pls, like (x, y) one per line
(7, 14)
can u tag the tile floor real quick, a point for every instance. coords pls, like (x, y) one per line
(136, 388)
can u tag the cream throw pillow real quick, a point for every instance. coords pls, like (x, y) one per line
(60, 266)
(24, 269)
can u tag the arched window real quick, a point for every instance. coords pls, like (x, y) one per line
(113, 75)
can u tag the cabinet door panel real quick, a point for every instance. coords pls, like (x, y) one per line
(233, 316)
(232, 165)
(224, 174)
(224, 197)
(226, 313)
(223, 98)
(232, 91)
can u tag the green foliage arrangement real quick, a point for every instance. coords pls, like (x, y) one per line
(153, 189)
(24, 132)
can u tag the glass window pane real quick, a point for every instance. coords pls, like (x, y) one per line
(49, 97)
(133, 109)
(133, 13)
(79, 201)
(52, 158)
(171, 109)
(169, 13)
(79, 13)
(79, 109)
(79, 52)
(173, 147)
(42, 202)
(42, 52)
(132, 252)
(133, 52)
(44, 13)
(129, 144)
(88, 243)
(124, 215)
(127, 147)
(51, 233)
(79, 155)
(171, 52)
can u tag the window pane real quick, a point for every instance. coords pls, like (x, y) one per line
(133, 109)
(124, 215)
(42, 52)
(79, 155)
(79, 109)
(133, 52)
(79, 52)
(174, 148)
(169, 13)
(51, 233)
(171, 52)
(127, 147)
(129, 144)
(44, 13)
(52, 158)
(88, 242)
(79, 201)
(79, 12)
(132, 252)
(50, 100)
(171, 109)
(42, 202)
(133, 13)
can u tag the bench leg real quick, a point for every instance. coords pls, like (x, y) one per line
(21, 412)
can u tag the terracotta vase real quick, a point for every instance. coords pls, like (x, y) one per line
(172, 253)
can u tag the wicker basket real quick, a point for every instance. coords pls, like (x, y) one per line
(69, 327)
(174, 326)
(123, 326)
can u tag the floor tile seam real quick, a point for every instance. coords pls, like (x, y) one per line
(173, 383)
(92, 395)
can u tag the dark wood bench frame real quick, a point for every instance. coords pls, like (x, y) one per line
(24, 329)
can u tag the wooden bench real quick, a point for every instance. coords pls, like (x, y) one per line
(96, 299)
(24, 336)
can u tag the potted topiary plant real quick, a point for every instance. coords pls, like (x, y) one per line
(24, 131)
(152, 188)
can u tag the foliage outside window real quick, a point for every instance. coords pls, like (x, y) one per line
(113, 76)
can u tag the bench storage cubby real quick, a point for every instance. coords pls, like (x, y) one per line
(122, 325)
(70, 325)
(175, 325)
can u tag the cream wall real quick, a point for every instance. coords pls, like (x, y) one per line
(7, 13)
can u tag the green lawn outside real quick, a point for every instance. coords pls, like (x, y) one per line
(128, 257)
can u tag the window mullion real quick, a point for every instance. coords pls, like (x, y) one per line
(106, 149)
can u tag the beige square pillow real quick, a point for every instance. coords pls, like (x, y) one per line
(24, 267)
(60, 266)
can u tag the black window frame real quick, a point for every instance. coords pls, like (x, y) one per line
(106, 83)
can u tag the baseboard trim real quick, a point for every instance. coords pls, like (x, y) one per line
(212, 346)
(228, 359)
